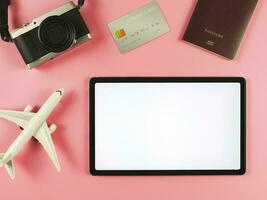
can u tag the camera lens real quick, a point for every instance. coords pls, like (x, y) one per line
(56, 34)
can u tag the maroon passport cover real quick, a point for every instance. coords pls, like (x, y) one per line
(219, 25)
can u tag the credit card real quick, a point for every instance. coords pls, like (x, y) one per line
(139, 27)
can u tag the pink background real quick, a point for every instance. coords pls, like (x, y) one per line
(166, 56)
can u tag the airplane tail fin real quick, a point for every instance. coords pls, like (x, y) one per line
(9, 167)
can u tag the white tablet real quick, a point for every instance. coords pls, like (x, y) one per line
(167, 126)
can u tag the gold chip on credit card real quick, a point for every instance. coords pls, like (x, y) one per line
(120, 33)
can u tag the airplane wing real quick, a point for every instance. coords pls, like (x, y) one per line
(17, 117)
(44, 137)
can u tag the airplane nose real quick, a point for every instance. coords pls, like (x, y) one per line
(61, 91)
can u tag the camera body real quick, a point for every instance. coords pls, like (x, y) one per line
(50, 35)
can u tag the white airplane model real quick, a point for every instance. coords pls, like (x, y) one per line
(33, 125)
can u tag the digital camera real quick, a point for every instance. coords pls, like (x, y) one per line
(50, 34)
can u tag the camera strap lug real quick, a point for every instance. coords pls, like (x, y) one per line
(80, 3)
(4, 32)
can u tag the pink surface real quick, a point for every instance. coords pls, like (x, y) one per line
(166, 56)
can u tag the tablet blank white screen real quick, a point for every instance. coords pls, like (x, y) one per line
(167, 126)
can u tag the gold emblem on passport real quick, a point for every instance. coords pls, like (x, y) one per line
(210, 43)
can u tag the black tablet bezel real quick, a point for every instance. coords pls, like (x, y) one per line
(240, 80)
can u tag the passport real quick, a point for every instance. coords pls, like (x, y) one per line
(219, 25)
